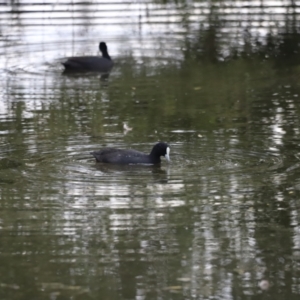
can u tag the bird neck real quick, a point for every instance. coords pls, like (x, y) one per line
(154, 156)
(105, 55)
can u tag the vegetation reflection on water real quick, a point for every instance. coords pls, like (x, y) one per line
(221, 221)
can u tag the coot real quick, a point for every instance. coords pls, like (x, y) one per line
(90, 63)
(121, 156)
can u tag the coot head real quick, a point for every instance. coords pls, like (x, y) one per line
(161, 149)
(103, 50)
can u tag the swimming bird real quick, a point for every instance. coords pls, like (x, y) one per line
(121, 156)
(90, 63)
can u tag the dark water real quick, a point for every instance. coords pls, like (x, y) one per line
(221, 221)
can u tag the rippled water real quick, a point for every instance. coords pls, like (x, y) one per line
(221, 221)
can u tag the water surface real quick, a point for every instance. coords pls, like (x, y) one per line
(221, 221)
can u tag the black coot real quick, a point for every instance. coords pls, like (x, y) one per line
(90, 63)
(121, 156)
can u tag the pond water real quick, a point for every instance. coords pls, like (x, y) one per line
(220, 221)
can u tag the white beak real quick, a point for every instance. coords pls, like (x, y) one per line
(167, 156)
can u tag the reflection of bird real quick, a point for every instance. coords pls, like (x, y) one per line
(126, 127)
(90, 63)
(120, 156)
